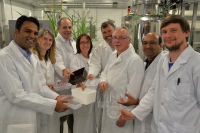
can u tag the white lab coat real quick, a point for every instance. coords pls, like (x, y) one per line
(145, 125)
(84, 118)
(123, 72)
(175, 105)
(64, 55)
(98, 60)
(22, 92)
(49, 123)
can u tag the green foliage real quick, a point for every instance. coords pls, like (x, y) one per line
(80, 22)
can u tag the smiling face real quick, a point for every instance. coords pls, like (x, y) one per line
(85, 45)
(45, 42)
(26, 36)
(107, 33)
(121, 40)
(65, 28)
(151, 46)
(174, 37)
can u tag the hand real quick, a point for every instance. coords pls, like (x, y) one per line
(126, 115)
(121, 122)
(103, 86)
(60, 106)
(67, 73)
(90, 77)
(51, 86)
(130, 101)
(81, 85)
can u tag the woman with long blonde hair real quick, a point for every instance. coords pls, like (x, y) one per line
(45, 50)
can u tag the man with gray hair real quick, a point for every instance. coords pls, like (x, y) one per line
(152, 47)
(64, 53)
(124, 70)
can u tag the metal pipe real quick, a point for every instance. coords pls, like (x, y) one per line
(193, 24)
(3, 22)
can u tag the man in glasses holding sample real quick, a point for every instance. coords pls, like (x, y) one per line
(152, 47)
(124, 70)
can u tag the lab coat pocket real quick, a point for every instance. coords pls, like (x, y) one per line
(181, 92)
(185, 129)
(21, 128)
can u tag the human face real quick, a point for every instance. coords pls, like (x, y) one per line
(84, 45)
(121, 40)
(65, 29)
(173, 36)
(107, 33)
(154, 48)
(45, 42)
(26, 36)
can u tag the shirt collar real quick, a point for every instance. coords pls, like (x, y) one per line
(27, 55)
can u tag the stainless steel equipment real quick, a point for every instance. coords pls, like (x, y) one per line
(146, 16)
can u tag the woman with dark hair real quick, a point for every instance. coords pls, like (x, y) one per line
(45, 50)
(84, 118)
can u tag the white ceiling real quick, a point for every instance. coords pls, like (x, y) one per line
(79, 3)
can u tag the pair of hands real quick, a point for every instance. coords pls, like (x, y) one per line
(60, 106)
(81, 85)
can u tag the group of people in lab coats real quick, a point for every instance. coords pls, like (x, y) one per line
(162, 95)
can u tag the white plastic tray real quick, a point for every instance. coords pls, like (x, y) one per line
(85, 97)
(73, 105)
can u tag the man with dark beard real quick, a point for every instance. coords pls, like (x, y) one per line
(175, 93)
(99, 59)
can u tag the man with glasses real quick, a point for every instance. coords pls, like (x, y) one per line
(152, 47)
(174, 95)
(98, 61)
(124, 70)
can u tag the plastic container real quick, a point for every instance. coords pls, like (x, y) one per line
(92, 84)
(79, 76)
(118, 94)
(73, 104)
(113, 112)
(104, 99)
(85, 97)
(60, 87)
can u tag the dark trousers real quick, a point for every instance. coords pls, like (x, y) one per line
(70, 123)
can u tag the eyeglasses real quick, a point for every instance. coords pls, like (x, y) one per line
(150, 43)
(120, 38)
(84, 42)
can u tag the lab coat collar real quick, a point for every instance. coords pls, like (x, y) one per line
(154, 62)
(63, 39)
(20, 55)
(182, 59)
(123, 56)
(107, 46)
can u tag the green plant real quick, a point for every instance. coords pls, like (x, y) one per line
(81, 23)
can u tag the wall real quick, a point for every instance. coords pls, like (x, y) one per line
(99, 14)
(12, 11)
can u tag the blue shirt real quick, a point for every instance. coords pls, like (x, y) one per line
(27, 55)
(170, 64)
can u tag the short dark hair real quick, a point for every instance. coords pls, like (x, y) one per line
(79, 40)
(176, 19)
(24, 18)
(59, 21)
(106, 23)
